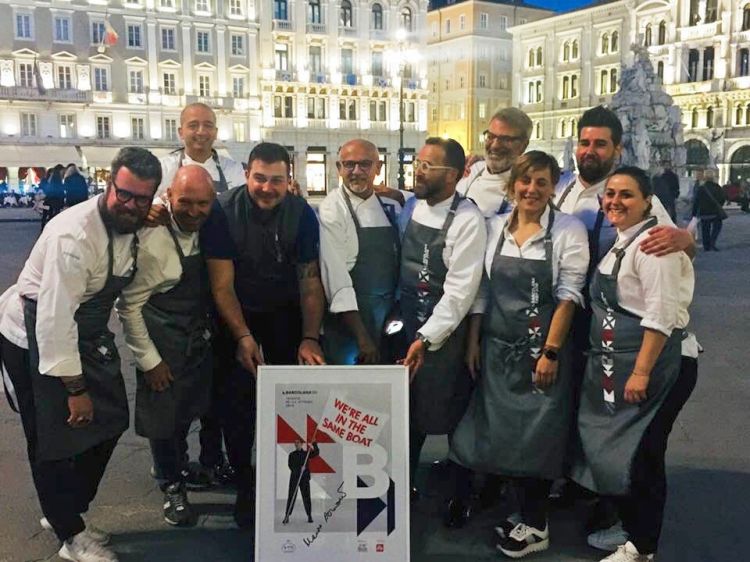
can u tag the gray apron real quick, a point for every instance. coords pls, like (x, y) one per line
(610, 429)
(374, 277)
(178, 324)
(220, 185)
(100, 362)
(512, 428)
(441, 389)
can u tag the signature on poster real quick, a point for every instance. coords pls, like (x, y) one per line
(327, 515)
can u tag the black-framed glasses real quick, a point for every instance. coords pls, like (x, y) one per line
(364, 165)
(426, 167)
(124, 196)
(490, 137)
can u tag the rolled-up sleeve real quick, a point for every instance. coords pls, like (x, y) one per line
(660, 278)
(335, 247)
(573, 262)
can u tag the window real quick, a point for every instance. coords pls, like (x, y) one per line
(135, 82)
(566, 52)
(202, 6)
(539, 56)
(613, 81)
(345, 14)
(64, 78)
(204, 85)
(377, 63)
(26, 75)
(694, 118)
(316, 107)
(708, 63)
(169, 83)
(433, 113)
(103, 127)
(167, 3)
(615, 44)
(134, 36)
(170, 129)
(743, 61)
(239, 131)
(282, 56)
(283, 107)
(406, 19)
(710, 117)
(574, 50)
(647, 36)
(534, 91)
(746, 17)
(237, 45)
(138, 128)
(503, 23)
(67, 126)
(711, 10)
(238, 86)
(447, 26)
(62, 29)
(97, 32)
(101, 79)
(662, 33)
(482, 80)
(484, 20)
(461, 22)
(565, 87)
(313, 11)
(482, 110)
(347, 61)
(316, 59)
(530, 63)
(28, 124)
(377, 16)
(605, 44)
(315, 172)
(235, 7)
(203, 42)
(660, 70)
(608, 81)
(23, 26)
(280, 10)
(693, 57)
(168, 39)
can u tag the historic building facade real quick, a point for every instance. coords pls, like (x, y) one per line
(469, 53)
(308, 75)
(699, 48)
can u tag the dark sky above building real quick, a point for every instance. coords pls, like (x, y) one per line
(560, 5)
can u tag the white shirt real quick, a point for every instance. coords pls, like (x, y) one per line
(486, 189)
(570, 255)
(463, 254)
(657, 289)
(339, 245)
(67, 266)
(232, 169)
(159, 270)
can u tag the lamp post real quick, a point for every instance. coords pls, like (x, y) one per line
(401, 38)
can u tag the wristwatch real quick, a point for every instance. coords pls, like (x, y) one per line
(550, 353)
(424, 340)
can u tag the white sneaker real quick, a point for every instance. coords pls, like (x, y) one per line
(96, 534)
(508, 524)
(81, 548)
(524, 540)
(628, 553)
(608, 539)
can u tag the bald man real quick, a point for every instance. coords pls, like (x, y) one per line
(359, 258)
(164, 312)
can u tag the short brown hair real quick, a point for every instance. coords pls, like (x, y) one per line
(534, 160)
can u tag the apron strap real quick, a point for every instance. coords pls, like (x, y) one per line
(177, 246)
(349, 206)
(565, 193)
(451, 215)
(223, 186)
(548, 235)
(475, 178)
(620, 252)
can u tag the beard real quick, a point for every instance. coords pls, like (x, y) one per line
(499, 160)
(593, 170)
(424, 189)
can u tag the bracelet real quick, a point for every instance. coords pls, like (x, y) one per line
(635, 374)
(316, 340)
(248, 335)
(78, 392)
(75, 386)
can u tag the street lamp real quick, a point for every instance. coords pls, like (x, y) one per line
(401, 40)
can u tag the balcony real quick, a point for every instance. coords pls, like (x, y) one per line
(381, 82)
(378, 35)
(318, 78)
(738, 83)
(283, 25)
(346, 124)
(317, 123)
(211, 101)
(285, 122)
(53, 94)
(316, 28)
(102, 97)
(349, 79)
(284, 76)
(692, 87)
(347, 31)
(137, 98)
(704, 31)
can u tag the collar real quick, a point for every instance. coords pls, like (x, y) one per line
(358, 197)
(596, 188)
(187, 158)
(543, 222)
(625, 235)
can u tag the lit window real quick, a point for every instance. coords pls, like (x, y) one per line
(203, 42)
(170, 129)
(138, 128)
(135, 82)
(103, 127)
(204, 85)
(169, 83)
(64, 78)
(101, 79)
(28, 125)
(238, 45)
(67, 126)
(238, 86)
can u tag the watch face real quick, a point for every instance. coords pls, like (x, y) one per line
(550, 354)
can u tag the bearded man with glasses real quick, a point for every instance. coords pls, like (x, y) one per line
(505, 139)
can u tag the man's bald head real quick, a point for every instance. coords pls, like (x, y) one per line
(191, 196)
(358, 165)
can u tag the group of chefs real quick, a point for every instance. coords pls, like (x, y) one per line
(542, 321)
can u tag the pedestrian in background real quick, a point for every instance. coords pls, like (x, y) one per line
(76, 188)
(708, 207)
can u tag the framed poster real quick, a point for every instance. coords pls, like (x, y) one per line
(332, 464)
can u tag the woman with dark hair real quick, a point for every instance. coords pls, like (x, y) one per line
(521, 412)
(633, 390)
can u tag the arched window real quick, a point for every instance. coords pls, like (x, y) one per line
(662, 33)
(531, 92)
(647, 36)
(743, 62)
(563, 128)
(710, 117)
(747, 114)
(603, 82)
(566, 52)
(738, 113)
(613, 81)
(615, 43)
(539, 56)
(573, 125)
(605, 43)
(538, 130)
(539, 91)
(694, 118)
(406, 19)
(345, 15)
(377, 16)
(565, 87)
(746, 17)
(660, 70)
(574, 50)
(574, 86)
(531, 58)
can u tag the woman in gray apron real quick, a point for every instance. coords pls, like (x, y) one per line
(520, 415)
(632, 391)
(374, 277)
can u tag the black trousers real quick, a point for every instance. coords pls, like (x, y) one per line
(304, 490)
(170, 457)
(710, 230)
(642, 511)
(278, 332)
(65, 487)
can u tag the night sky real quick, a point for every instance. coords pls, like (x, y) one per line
(560, 5)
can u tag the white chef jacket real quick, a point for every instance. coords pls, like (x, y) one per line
(67, 266)
(233, 171)
(487, 190)
(159, 270)
(570, 255)
(463, 256)
(339, 245)
(657, 289)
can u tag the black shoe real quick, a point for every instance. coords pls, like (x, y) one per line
(223, 473)
(310, 519)
(524, 540)
(196, 477)
(244, 510)
(457, 514)
(177, 510)
(285, 521)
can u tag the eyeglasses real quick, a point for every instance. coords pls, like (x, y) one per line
(349, 165)
(426, 167)
(503, 139)
(124, 196)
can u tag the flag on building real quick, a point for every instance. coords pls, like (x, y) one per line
(110, 35)
(38, 79)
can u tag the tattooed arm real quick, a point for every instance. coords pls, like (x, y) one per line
(312, 303)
